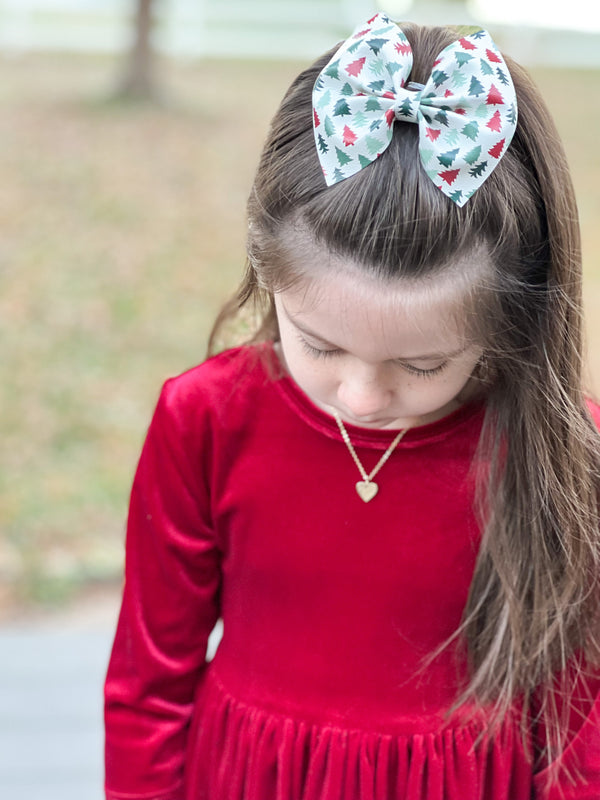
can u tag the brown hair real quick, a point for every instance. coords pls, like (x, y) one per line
(534, 599)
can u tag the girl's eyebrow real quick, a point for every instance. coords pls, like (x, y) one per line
(321, 340)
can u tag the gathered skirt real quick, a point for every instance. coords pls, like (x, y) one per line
(241, 752)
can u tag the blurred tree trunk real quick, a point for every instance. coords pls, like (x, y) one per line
(139, 79)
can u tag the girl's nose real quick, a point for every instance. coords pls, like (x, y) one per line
(363, 396)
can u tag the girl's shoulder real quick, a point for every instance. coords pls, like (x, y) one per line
(232, 378)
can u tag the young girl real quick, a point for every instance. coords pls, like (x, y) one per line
(391, 495)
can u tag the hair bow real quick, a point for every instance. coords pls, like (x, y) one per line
(466, 112)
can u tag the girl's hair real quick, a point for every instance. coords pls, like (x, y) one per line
(534, 602)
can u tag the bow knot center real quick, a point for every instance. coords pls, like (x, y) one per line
(406, 105)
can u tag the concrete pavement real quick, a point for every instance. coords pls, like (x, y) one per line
(51, 678)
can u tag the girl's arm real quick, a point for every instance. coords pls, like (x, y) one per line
(170, 605)
(577, 777)
(581, 778)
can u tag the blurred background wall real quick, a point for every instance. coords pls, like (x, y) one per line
(125, 162)
(542, 31)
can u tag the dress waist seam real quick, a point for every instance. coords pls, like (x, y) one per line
(474, 727)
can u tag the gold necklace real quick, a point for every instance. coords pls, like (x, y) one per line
(367, 488)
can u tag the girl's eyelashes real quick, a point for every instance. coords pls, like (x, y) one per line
(317, 352)
(424, 373)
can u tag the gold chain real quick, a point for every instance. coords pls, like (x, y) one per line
(367, 488)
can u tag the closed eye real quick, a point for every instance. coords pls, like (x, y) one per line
(317, 352)
(423, 373)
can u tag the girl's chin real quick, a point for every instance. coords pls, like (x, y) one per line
(374, 422)
(397, 423)
(379, 423)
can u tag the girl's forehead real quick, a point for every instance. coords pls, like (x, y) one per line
(345, 289)
(320, 273)
(378, 318)
(342, 300)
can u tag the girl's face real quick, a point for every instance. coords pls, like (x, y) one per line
(384, 355)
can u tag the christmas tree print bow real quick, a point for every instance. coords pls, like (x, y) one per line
(466, 112)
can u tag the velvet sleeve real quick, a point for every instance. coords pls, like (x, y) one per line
(579, 779)
(170, 605)
(577, 776)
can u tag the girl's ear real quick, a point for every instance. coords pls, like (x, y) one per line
(484, 372)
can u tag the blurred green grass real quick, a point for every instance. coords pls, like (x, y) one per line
(122, 233)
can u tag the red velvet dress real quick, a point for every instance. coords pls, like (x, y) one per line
(244, 507)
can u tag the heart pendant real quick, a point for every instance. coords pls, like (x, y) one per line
(366, 490)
